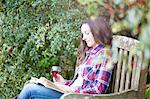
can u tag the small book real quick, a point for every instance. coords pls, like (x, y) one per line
(47, 83)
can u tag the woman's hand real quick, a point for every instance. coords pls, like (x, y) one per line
(58, 79)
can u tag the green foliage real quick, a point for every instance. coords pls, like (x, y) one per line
(34, 35)
(147, 94)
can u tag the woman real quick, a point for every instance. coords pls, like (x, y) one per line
(94, 69)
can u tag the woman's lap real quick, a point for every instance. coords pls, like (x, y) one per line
(35, 91)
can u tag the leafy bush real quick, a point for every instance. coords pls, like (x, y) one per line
(147, 94)
(34, 35)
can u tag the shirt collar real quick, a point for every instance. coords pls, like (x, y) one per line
(95, 50)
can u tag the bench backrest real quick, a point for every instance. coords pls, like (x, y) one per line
(129, 62)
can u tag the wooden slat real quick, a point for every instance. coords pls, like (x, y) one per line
(118, 71)
(138, 69)
(124, 42)
(115, 60)
(113, 79)
(133, 71)
(129, 69)
(122, 81)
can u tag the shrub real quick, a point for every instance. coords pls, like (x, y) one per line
(34, 35)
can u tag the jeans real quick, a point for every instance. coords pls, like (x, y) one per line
(34, 91)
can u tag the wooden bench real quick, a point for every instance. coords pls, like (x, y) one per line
(129, 74)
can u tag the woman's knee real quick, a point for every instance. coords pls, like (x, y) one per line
(28, 88)
(26, 91)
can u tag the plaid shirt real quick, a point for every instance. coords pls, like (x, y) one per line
(96, 73)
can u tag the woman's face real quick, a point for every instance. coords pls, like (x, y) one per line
(88, 36)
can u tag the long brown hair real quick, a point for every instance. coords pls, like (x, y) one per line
(101, 31)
